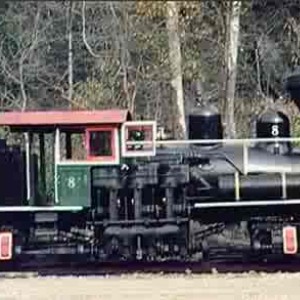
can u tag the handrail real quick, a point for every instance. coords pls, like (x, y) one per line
(245, 143)
(215, 141)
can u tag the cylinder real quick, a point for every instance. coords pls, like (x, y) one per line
(273, 124)
(205, 124)
(292, 86)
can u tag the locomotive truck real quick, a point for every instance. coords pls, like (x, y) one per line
(122, 194)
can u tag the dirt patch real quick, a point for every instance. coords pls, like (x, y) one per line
(159, 287)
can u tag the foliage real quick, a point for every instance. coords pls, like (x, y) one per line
(129, 64)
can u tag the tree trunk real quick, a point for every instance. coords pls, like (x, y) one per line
(70, 52)
(231, 54)
(175, 64)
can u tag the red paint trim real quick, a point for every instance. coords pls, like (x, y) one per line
(64, 118)
(290, 243)
(6, 245)
(112, 143)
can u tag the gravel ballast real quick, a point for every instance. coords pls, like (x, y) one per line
(256, 286)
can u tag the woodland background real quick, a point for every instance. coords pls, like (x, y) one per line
(154, 58)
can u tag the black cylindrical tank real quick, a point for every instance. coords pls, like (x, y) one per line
(274, 124)
(259, 187)
(205, 124)
(292, 86)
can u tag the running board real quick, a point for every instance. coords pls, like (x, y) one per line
(246, 203)
(39, 208)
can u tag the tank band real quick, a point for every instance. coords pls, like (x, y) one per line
(237, 185)
(283, 179)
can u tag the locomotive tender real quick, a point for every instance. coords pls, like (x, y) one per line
(130, 196)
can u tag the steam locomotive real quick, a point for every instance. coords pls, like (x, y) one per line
(133, 197)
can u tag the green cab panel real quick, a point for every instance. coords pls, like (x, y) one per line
(73, 185)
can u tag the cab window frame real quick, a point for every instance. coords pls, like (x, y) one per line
(113, 143)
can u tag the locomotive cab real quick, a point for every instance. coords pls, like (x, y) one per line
(81, 140)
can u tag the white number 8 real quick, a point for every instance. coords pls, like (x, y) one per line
(275, 130)
(71, 182)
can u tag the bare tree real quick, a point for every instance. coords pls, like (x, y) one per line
(70, 50)
(14, 63)
(147, 56)
(231, 54)
(175, 63)
(121, 36)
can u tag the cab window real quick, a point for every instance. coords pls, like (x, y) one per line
(100, 143)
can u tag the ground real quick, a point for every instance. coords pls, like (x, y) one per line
(159, 287)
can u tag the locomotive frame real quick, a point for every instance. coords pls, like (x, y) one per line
(133, 197)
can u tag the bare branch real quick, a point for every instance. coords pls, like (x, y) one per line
(70, 49)
(22, 59)
(258, 72)
(62, 93)
(88, 47)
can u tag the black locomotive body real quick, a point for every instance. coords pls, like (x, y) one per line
(189, 201)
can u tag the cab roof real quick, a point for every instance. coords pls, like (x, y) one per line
(48, 119)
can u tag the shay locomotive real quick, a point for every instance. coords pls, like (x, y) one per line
(130, 196)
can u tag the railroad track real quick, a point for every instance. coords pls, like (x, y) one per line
(104, 269)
